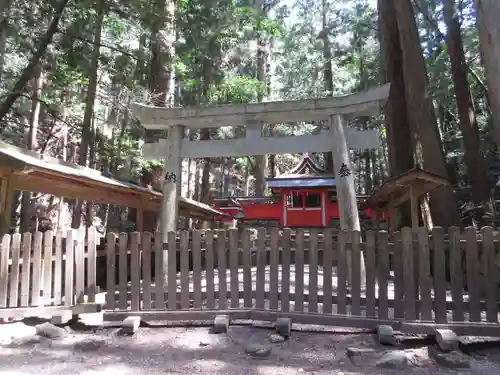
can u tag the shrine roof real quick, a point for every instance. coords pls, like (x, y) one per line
(307, 173)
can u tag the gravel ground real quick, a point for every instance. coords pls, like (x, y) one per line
(170, 350)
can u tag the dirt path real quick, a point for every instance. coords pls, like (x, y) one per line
(196, 351)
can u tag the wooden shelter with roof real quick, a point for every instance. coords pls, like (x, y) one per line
(306, 196)
(408, 186)
(25, 170)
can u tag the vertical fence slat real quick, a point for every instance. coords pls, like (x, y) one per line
(383, 274)
(111, 271)
(91, 263)
(68, 265)
(273, 268)
(299, 270)
(222, 268)
(342, 273)
(209, 267)
(172, 271)
(261, 268)
(313, 271)
(37, 268)
(472, 268)
(48, 240)
(439, 272)
(146, 270)
(371, 264)
(327, 271)
(247, 271)
(410, 305)
(397, 265)
(184, 279)
(4, 269)
(122, 271)
(233, 266)
(196, 251)
(26, 272)
(58, 264)
(159, 301)
(285, 269)
(490, 278)
(80, 265)
(424, 275)
(135, 270)
(14, 270)
(456, 271)
(356, 273)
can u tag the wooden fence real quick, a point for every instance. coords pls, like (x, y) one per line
(417, 282)
(46, 272)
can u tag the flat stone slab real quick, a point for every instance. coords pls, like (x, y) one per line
(276, 339)
(453, 360)
(131, 324)
(50, 331)
(393, 360)
(258, 351)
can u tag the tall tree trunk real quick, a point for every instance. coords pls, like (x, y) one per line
(88, 116)
(5, 7)
(27, 206)
(28, 72)
(488, 26)
(327, 70)
(476, 166)
(422, 118)
(399, 140)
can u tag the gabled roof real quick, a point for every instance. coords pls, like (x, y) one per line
(305, 174)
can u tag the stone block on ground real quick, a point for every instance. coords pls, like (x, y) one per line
(62, 317)
(276, 339)
(221, 324)
(284, 327)
(452, 360)
(258, 351)
(393, 360)
(446, 339)
(50, 331)
(385, 335)
(131, 324)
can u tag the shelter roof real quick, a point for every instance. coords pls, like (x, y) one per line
(30, 171)
(397, 190)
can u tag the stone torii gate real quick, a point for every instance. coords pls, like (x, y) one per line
(339, 139)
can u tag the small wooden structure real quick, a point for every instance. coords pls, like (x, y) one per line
(26, 170)
(399, 189)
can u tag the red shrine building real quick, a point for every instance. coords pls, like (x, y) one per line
(306, 196)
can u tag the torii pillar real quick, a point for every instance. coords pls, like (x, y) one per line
(169, 213)
(346, 192)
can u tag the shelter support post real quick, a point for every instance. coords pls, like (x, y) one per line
(346, 193)
(414, 207)
(6, 198)
(169, 213)
(140, 217)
